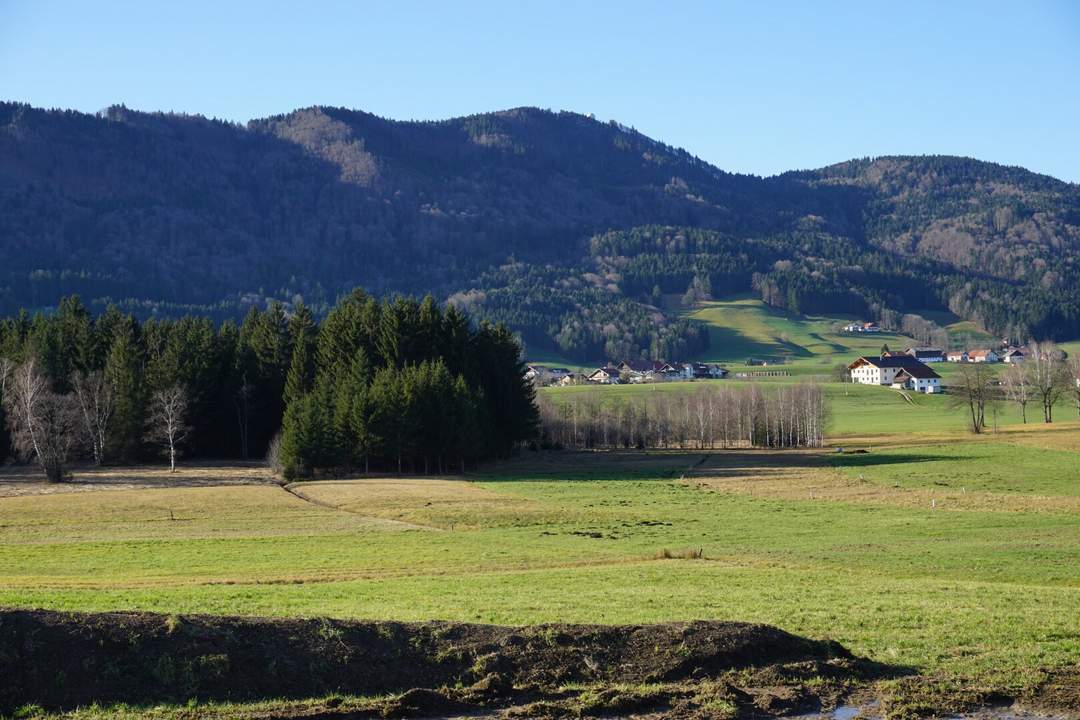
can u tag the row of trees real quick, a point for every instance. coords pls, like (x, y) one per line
(49, 426)
(388, 384)
(1039, 383)
(709, 417)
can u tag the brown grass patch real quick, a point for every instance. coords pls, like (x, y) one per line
(428, 502)
(1054, 436)
(16, 480)
(175, 512)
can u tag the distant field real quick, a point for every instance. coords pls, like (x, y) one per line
(953, 554)
(853, 409)
(744, 327)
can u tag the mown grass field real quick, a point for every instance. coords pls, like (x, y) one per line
(950, 554)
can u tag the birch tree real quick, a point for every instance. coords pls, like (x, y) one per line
(44, 423)
(167, 426)
(96, 399)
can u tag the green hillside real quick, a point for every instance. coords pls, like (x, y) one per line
(744, 327)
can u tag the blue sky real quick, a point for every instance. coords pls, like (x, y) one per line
(751, 87)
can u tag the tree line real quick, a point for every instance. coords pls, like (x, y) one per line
(782, 416)
(392, 384)
(1035, 386)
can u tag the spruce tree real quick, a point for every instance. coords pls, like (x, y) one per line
(301, 376)
(124, 369)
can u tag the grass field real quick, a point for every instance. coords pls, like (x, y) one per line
(744, 327)
(954, 555)
(917, 545)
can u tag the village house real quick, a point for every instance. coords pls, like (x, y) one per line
(708, 371)
(573, 379)
(983, 356)
(638, 371)
(957, 356)
(1014, 355)
(884, 370)
(926, 354)
(608, 375)
(647, 371)
(543, 375)
(862, 327)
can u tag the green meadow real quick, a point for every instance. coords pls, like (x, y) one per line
(944, 553)
(908, 540)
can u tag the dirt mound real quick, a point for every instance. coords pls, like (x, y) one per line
(62, 660)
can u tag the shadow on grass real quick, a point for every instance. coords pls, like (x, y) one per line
(859, 460)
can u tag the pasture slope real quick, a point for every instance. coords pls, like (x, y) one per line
(950, 560)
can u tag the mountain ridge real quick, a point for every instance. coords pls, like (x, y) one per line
(163, 212)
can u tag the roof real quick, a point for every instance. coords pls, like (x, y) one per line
(644, 366)
(980, 353)
(924, 351)
(921, 372)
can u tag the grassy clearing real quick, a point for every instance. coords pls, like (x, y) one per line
(744, 327)
(847, 546)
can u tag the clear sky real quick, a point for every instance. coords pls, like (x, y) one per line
(756, 87)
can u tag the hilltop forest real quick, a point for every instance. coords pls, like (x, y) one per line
(573, 232)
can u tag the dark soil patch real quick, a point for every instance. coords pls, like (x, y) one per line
(64, 660)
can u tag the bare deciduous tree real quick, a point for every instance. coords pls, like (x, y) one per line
(167, 410)
(96, 398)
(44, 424)
(1017, 388)
(242, 402)
(6, 368)
(1047, 375)
(728, 416)
(1073, 380)
(975, 390)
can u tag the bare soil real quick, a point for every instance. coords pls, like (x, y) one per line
(437, 669)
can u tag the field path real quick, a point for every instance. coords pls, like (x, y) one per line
(292, 490)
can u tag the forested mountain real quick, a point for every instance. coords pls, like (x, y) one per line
(567, 228)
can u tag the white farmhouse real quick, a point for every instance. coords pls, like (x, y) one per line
(921, 380)
(884, 371)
